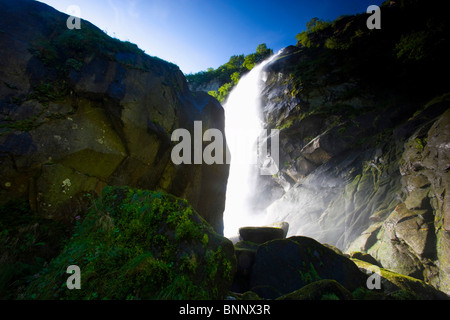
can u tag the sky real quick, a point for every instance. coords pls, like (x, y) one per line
(199, 34)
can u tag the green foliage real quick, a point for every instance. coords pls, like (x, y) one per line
(250, 61)
(137, 244)
(310, 275)
(316, 24)
(412, 47)
(313, 26)
(68, 50)
(235, 78)
(222, 74)
(334, 43)
(223, 91)
(46, 91)
(329, 296)
(303, 39)
(262, 52)
(228, 75)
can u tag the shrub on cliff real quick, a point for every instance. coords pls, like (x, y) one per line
(228, 74)
(312, 26)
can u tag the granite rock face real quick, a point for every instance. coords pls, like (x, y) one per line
(80, 110)
(364, 154)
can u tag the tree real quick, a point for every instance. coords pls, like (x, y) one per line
(235, 77)
(311, 24)
(250, 61)
(263, 51)
(228, 74)
(314, 25)
(235, 63)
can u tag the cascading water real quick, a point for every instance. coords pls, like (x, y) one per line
(243, 126)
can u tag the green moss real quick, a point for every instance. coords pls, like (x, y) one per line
(310, 275)
(419, 144)
(138, 244)
(330, 296)
(401, 287)
(68, 49)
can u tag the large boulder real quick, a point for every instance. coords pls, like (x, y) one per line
(138, 244)
(284, 266)
(80, 110)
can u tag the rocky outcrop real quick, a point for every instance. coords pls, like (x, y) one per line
(278, 267)
(398, 286)
(413, 239)
(364, 154)
(136, 244)
(80, 111)
(213, 85)
(283, 266)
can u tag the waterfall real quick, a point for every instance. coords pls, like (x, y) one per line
(243, 126)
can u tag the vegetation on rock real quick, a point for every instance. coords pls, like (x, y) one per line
(137, 244)
(228, 75)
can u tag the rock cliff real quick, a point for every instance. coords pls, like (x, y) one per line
(364, 150)
(80, 110)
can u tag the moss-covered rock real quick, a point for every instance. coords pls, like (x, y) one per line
(401, 287)
(137, 244)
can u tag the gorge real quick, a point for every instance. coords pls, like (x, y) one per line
(361, 173)
(353, 146)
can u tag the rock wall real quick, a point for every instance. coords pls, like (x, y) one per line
(414, 238)
(80, 110)
(363, 152)
(213, 85)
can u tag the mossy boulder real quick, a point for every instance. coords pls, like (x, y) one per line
(401, 287)
(138, 244)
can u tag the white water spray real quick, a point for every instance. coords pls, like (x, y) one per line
(243, 126)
